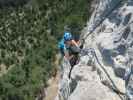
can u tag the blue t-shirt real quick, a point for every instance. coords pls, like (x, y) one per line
(61, 44)
(63, 47)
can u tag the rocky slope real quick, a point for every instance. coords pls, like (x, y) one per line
(99, 75)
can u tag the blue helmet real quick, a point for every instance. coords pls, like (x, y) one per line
(67, 36)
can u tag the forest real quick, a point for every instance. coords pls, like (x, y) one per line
(29, 35)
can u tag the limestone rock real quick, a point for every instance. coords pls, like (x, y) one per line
(110, 32)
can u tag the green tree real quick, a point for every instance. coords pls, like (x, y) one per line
(28, 38)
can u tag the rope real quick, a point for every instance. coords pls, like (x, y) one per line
(103, 19)
(115, 89)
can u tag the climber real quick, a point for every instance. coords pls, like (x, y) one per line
(69, 48)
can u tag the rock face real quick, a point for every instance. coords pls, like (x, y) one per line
(89, 86)
(99, 75)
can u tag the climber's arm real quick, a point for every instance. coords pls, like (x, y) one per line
(75, 43)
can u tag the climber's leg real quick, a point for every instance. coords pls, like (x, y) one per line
(73, 61)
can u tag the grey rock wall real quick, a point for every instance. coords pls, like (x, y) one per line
(102, 77)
